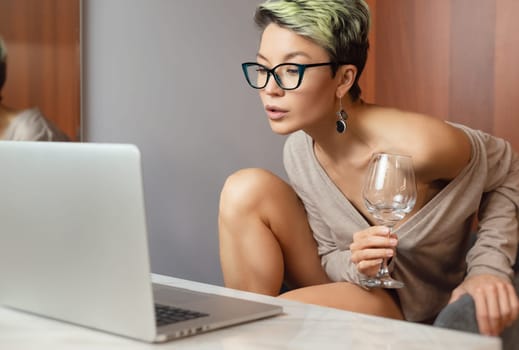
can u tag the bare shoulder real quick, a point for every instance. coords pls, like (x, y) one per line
(440, 151)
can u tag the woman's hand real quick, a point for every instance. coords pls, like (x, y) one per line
(496, 301)
(370, 247)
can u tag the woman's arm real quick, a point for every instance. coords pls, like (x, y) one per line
(490, 260)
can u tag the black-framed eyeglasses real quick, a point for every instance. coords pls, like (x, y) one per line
(288, 76)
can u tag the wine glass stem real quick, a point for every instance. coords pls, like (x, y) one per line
(383, 270)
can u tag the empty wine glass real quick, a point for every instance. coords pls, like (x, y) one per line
(389, 194)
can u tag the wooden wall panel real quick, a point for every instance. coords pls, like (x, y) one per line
(472, 63)
(452, 59)
(506, 81)
(43, 67)
(412, 55)
(368, 76)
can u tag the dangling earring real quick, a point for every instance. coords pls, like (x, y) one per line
(343, 116)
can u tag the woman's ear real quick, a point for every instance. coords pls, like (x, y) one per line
(346, 75)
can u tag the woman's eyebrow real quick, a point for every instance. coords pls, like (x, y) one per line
(287, 56)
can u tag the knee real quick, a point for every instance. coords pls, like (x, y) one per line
(460, 315)
(245, 189)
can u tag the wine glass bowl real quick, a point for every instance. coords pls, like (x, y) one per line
(390, 214)
(389, 194)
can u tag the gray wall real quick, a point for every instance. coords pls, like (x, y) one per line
(166, 76)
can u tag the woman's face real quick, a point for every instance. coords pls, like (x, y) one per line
(312, 105)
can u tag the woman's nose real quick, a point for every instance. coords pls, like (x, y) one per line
(272, 87)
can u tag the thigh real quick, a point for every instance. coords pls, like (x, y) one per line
(348, 296)
(260, 204)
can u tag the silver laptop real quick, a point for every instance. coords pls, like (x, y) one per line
(73, 246)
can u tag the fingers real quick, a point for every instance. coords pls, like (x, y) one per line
(496, 301)
(369, 267)
(503, 304)
(370, 247)
(508, 303)
(514, 304)
(496, 307)
(487, 310)
(373, 237)
(373, 231)
(369, 261)
(360, 256)
(371, 254)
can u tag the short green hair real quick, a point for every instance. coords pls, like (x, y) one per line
(341, 27)
(3, 63)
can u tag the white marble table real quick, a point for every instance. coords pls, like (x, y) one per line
(300, 327)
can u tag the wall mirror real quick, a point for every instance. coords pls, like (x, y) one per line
(43, 63)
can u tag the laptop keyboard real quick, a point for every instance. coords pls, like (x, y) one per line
(167, 314)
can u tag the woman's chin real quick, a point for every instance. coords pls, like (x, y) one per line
(283, 132)
(282, 129)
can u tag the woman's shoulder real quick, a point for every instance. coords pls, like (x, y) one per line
(31, 125)
(297, 149)
(297, 143)
(439, 149)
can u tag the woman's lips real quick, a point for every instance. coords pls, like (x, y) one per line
(275, 113)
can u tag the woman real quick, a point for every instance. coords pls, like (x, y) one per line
(23, 125)
(315, 232)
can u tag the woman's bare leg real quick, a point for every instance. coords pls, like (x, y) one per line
(348, 296)
(264, 235)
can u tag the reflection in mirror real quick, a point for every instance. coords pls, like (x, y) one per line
(40, 70)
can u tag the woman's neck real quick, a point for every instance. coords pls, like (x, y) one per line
(336, 146)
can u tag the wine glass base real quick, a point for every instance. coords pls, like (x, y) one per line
(386, 282)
